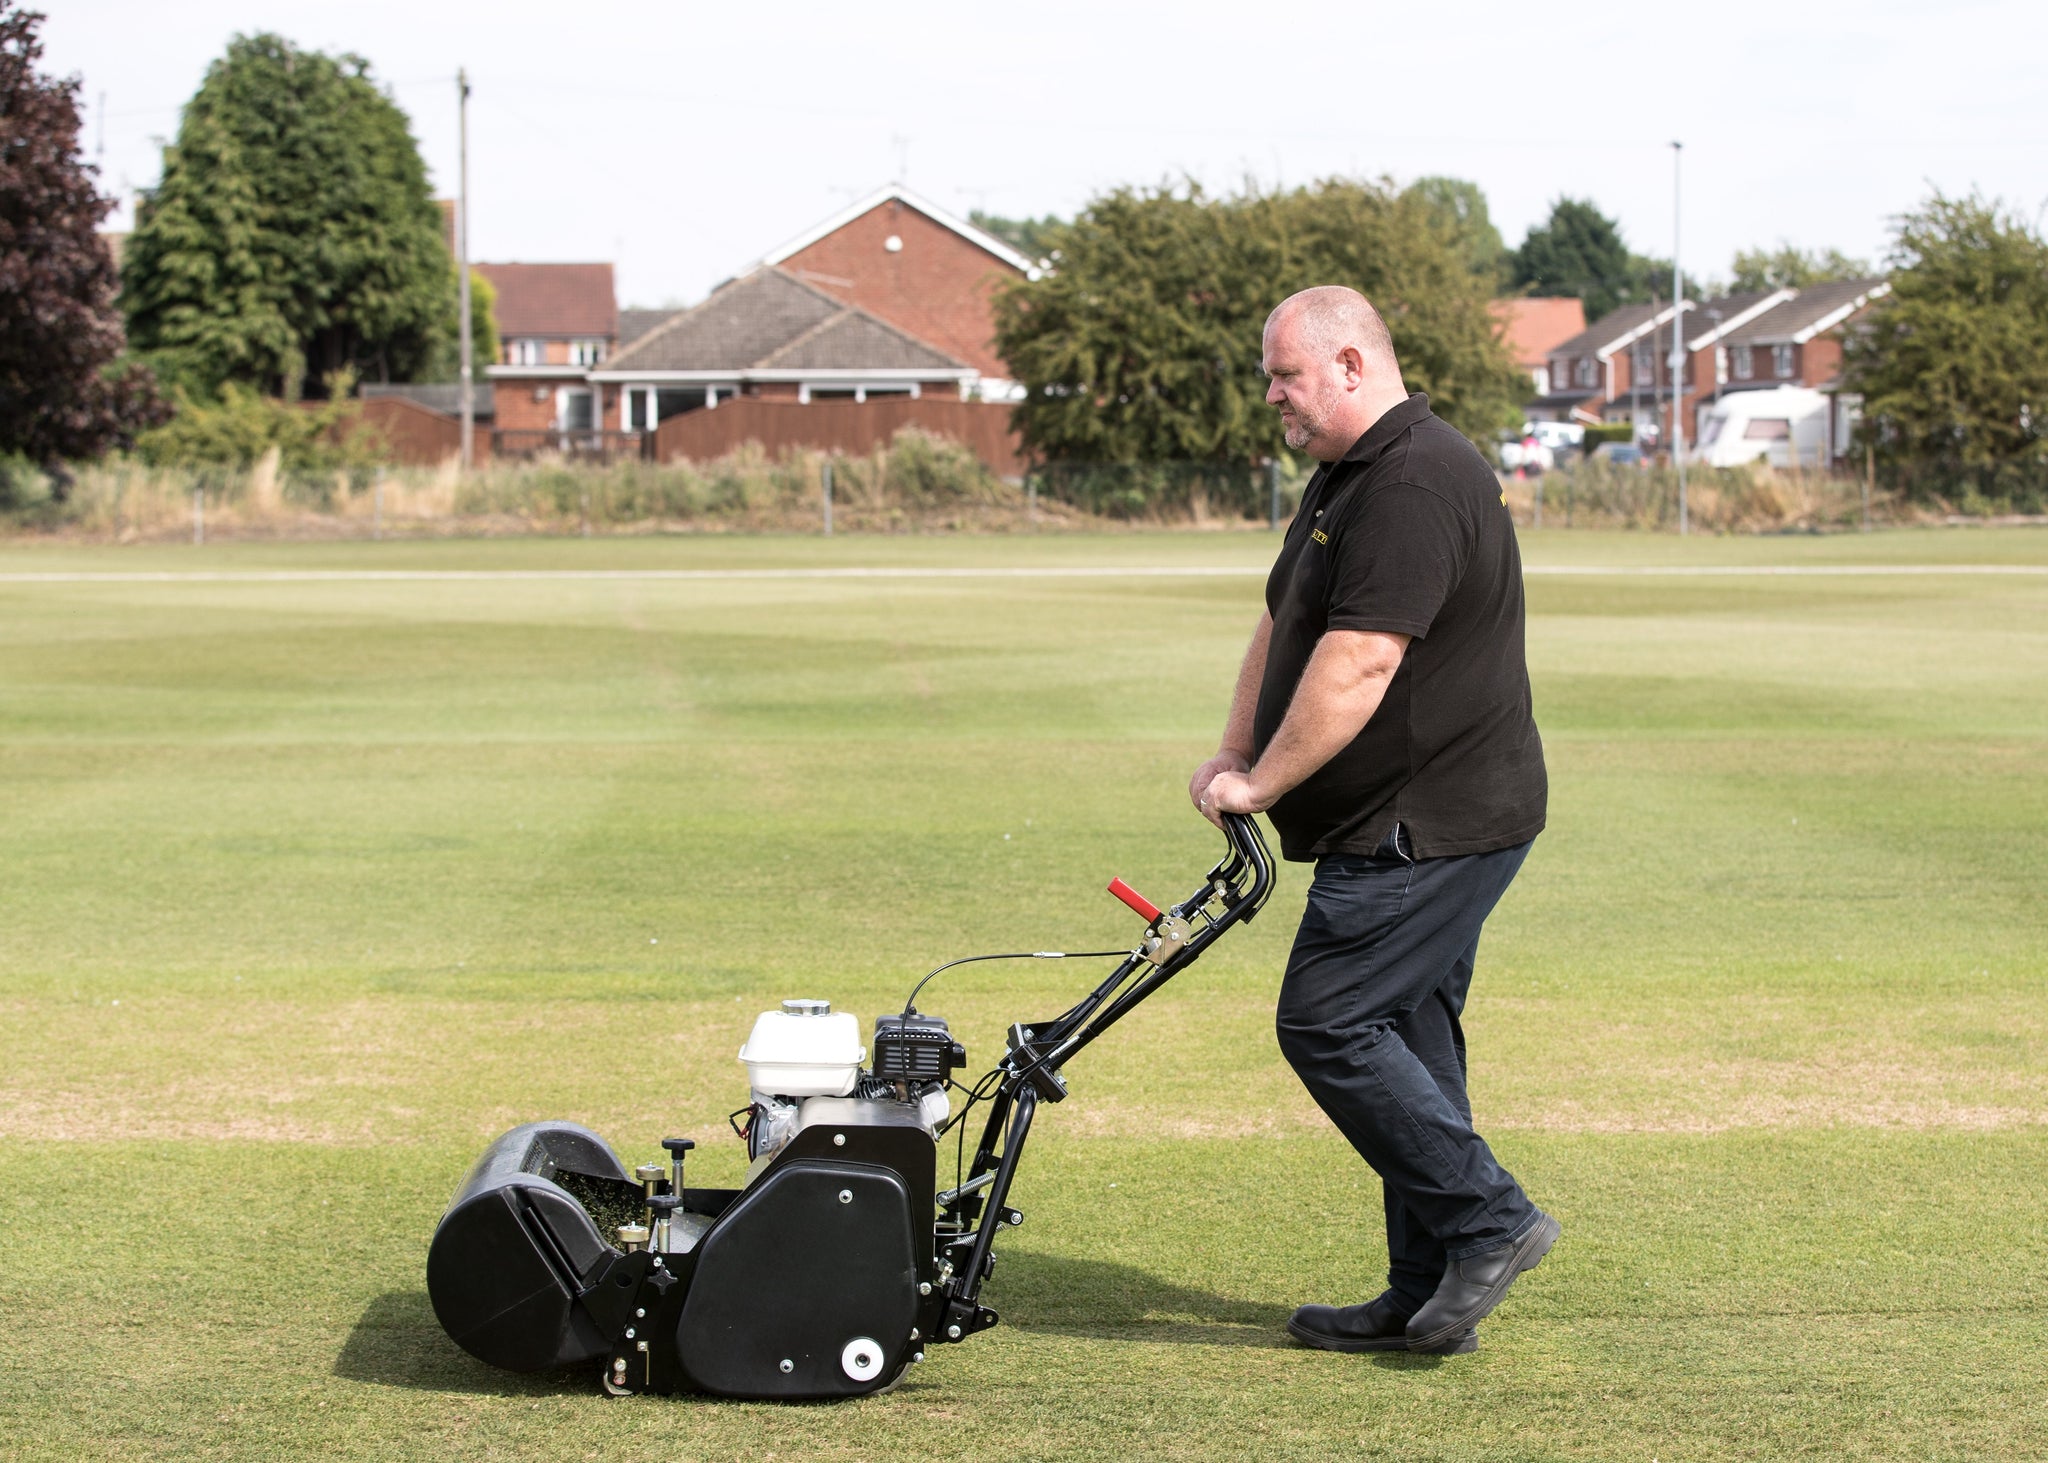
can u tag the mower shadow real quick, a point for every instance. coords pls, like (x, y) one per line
(1058, 1295)
(397, 1342)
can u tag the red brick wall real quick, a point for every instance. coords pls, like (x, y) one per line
(1820, 360)
(937, 287)
(517, 411)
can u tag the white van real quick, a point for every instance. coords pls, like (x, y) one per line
(1785, 426)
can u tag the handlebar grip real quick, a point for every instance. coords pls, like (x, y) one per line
(1134, 899)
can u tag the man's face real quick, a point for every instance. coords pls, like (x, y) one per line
(1306, 388)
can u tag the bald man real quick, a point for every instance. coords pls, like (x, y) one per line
(1382, 720)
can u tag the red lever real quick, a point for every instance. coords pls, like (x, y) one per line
(1134, 899)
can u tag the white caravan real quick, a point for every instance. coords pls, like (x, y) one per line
(1786, 426)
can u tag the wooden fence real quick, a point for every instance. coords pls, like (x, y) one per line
(840, 426)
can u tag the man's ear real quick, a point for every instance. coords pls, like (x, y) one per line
(1353, 364)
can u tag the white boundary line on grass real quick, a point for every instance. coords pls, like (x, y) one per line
(1145, 571)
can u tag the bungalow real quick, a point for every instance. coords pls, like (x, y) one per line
(769, 334)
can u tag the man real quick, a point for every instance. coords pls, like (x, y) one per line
(1382, 720)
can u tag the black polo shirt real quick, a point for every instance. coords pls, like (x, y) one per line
(1408, 533)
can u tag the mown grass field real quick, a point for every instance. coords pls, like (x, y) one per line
(311, 887)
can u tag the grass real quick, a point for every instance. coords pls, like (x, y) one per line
(311, 888)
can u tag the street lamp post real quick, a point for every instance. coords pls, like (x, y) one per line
(1677, 348)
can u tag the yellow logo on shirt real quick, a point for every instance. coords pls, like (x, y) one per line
(1319, 536)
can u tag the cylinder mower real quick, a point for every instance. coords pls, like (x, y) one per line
(839, 1261)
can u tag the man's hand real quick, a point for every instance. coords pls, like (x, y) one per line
(1225, 761)
(1233, 792)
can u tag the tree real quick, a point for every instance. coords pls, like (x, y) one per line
(1579, 251)
(483, 335)
(1758, 271)
(1143, 344)
(1953, 364)
(1461, 206)
(293, 235)
(61, 393)
(1030, 237)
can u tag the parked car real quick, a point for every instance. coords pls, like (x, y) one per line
(1620, 454)
(1540, 445)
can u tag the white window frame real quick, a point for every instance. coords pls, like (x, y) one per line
(1743, 362)
(1784, 361)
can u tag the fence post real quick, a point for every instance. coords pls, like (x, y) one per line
(1030, 497)
(1273, 493)
(1536, 514)
(199, 515)
(825, 475)
(1869, 479)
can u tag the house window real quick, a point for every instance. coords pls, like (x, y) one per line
(1586, 371)
(586, 352)
(1782, 361)
(1645, 365)
(523, 353)
(674, 401)
(1743, 359)
(578, 410)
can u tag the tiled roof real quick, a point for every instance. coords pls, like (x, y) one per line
(635, 323)
(553, 300)
(1532, 328)
(1710, 315)
(770, 320)
(444, 397)
(1610, 328)
(1812, 306)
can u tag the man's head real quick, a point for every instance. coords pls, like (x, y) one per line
(1331, 369)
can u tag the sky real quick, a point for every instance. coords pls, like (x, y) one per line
(682, 141)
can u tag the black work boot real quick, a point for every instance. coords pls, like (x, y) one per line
(1473, 1286)
(1378, 1325)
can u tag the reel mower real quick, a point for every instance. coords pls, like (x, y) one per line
(838, 1262)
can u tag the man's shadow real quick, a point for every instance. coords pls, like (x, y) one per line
(397, 1341)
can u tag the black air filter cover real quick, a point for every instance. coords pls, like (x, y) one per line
(915, 1049)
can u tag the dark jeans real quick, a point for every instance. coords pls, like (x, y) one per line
(1368, 1019)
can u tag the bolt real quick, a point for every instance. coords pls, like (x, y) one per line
(619, 1365)
(640, 1346)
(919, 1356)
(924, 1287)
(630, 1333)
(914, 1336)
(642, 1312)
(788, 1365)
(953, 1332)
(846, 1196)
(839, 1140)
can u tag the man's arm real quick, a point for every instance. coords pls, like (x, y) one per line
(1339, 692)
(1234, 754)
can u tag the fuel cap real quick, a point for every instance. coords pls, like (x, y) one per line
(808, 1008)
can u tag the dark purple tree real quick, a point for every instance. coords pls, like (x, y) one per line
(62, 397)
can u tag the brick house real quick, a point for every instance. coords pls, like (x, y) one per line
(907, 261)
(1531, 328)
(1619, 368)
(555, 323)
(772, 335)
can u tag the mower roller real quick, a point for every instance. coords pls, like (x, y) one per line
(837, 1263)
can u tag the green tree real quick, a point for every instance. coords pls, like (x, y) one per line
(483, 335)
(1030, 237)
(1580, 252)
(61, 393)
(1461, 205)
(292, 236)
(1143, 345)
(1953, 364)
(1786, 267)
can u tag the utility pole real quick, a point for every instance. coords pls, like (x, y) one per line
(462, 274)
(1677, 348)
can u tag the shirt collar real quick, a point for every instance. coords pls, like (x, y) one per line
(1382, 433)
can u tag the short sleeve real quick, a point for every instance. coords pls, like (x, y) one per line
(1398, 558)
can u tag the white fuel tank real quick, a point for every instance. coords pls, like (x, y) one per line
(804, 1050)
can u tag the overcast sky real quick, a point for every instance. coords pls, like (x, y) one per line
(682, 140)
